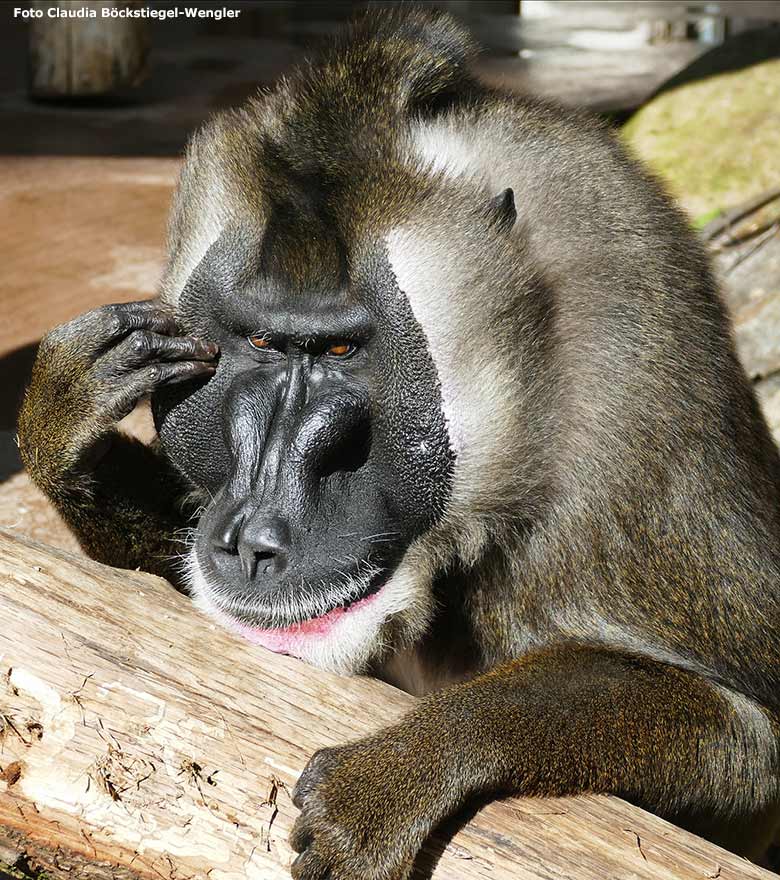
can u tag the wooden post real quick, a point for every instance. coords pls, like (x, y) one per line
(138, 740)
(72, 57)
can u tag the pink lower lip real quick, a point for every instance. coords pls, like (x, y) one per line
(285, 640)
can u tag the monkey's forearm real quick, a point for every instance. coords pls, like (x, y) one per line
(119, 496)
(126, 511)
(573, 719)
(557, 722)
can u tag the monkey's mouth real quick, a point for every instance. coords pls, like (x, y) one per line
(291, 638)
(289, 613)
(285, 640)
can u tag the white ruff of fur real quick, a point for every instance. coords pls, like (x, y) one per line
(452, 150)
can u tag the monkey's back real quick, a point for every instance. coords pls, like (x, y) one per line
(665, 493)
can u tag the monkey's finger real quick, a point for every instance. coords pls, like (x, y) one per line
(94, 331)
(142, 382)
(301, 835)
(123, 318)
(154, 376)
(144, 346)
(309, 866)
(313, 773)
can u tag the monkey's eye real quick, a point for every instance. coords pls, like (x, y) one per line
(259, 340)
(340, 349)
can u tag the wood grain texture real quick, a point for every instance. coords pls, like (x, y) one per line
(140, 741)
(77, 57)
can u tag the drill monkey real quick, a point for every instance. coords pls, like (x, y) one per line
(452, 382)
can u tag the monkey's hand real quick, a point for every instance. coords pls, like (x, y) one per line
(90, 373)
(558, 721)
(121, 498)
(366, 808)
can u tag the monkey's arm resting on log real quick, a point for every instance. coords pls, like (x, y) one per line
(559, 721)
(120, 497)
(156, 746)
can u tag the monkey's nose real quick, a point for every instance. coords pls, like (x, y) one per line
(225, 535)
(263, 545)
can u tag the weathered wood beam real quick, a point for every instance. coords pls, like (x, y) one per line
(137, 740)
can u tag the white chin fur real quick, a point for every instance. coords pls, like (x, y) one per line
(356, 638)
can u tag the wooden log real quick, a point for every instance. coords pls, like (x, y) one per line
(76, 57)
(137, 740)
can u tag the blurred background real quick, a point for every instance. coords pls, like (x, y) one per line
(607, 56)
(94, 114)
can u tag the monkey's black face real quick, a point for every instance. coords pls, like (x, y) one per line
(320, 439)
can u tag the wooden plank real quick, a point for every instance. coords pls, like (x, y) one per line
(140, 741)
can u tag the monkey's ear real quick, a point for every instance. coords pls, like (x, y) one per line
(501, 210)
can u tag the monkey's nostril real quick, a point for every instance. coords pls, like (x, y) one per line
(225, 535)
(268, 562)
(265, 557)
(261, 541)
(264, 545)
(255, 562)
